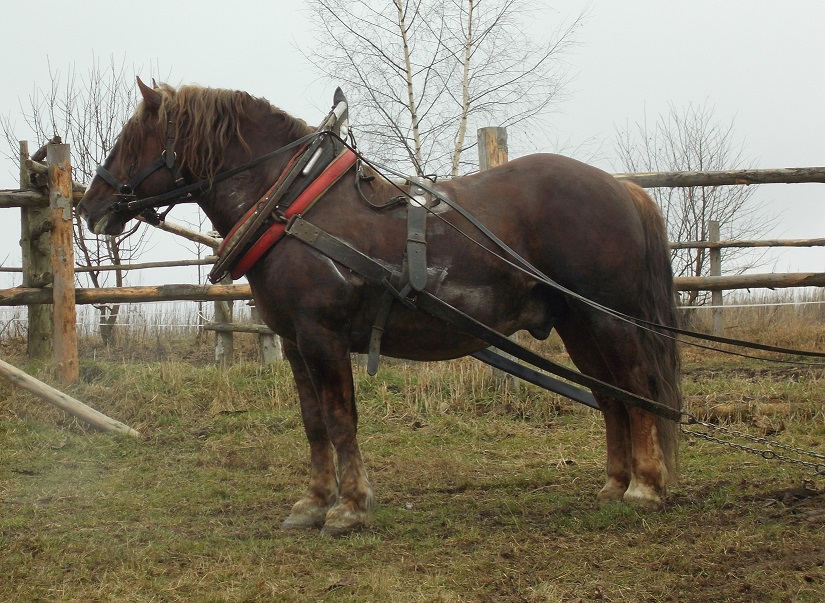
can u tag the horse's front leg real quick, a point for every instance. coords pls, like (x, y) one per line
(311, 510)
(327, 364)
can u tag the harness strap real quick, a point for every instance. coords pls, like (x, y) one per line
(413, 277)
(128, 188)
(440, 309)
(310, 170)
(377, 331)
(536, 378)
(353, 259)
(417, 244)
(231, 239)
(243, 233)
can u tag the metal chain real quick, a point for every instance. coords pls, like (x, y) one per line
(765, 453)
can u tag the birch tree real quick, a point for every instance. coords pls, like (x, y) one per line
(419, 74)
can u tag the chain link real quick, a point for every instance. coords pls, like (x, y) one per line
(766, 453)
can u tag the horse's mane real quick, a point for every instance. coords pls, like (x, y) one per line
(208, 121)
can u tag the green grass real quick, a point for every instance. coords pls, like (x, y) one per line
(482, 495)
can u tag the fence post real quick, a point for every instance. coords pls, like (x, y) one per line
(492, 147)
(269, 345)
(492, 151)
(62, 243)
(37, 266)
(224, 341)
(716, 270)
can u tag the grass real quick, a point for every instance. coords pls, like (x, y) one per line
(483, 495)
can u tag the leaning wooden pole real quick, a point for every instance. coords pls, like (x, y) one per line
(63, 401)
(65, 313)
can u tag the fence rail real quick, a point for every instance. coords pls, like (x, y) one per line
(726, 177)
(21, 296)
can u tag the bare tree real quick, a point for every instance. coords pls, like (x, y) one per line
(420, 73)
(692, 139)
(87, 111)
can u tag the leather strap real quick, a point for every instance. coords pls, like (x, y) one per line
(377, 331)
(536, 378)
(416, 245)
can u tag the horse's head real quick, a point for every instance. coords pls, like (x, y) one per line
(142, 164)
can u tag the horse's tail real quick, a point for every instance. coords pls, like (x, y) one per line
(659, 306)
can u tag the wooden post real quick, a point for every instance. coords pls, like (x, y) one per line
(62, 242)
(62, 401)
(492, 147)
(492, 151)
(224, 341)
(37, 265)
(716, 270)
(269, 344)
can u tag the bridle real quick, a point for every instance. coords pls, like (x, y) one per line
(183, 191)
(126, 190)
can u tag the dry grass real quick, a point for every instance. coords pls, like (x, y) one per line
(484, 495)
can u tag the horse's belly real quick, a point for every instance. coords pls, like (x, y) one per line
(417, 336)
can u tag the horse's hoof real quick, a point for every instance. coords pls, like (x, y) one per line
(613, 491)
(341, 521)
(305, 514)
(643, 497)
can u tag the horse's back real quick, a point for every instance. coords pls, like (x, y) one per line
(572, 220)
(547, 189)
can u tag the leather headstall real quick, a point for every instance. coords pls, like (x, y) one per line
(126, 190)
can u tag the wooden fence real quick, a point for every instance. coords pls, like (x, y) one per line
(48, 276)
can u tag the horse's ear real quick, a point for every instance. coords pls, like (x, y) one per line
(151, 98)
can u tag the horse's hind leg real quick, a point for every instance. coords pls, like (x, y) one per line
(585, 355)
(619, 448)
(609, 350)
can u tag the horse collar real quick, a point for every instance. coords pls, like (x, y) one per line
(247, 241)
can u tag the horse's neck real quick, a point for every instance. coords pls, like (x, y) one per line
(227, 202)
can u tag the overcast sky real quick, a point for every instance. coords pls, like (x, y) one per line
(758, 63)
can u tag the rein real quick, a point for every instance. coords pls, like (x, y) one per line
(176, 195)
(337, 114)
(341, 252)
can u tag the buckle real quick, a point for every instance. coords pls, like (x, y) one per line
(402, 295)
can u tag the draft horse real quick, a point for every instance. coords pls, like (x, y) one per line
(597, 236)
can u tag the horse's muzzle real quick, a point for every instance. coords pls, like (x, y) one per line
(105, 218)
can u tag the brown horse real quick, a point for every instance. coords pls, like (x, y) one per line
(589, 232)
